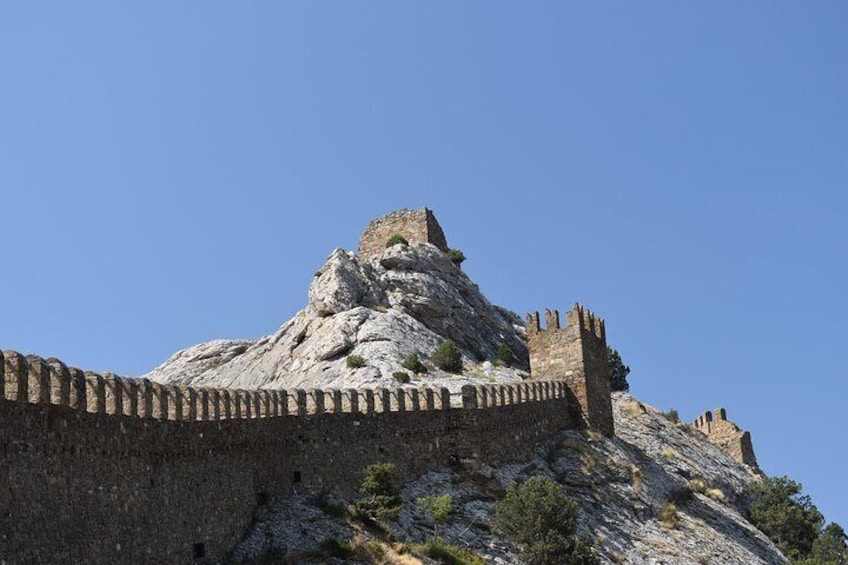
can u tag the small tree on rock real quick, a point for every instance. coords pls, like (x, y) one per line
(505, 355)
(538, 516)
(447, 357)
(618, 371)
(438, 508)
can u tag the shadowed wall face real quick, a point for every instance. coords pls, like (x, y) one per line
(83, 481)
(577, 354)
(417, 226)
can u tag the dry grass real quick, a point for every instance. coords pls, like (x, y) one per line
(698, 485)
(668, 516)
(634, 408)
(716, 494)
(670, 453)
(637, 479)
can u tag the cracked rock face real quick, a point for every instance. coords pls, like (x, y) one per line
(405, 300)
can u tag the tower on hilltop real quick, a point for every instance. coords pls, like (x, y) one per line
(576, 354)
(417, 226)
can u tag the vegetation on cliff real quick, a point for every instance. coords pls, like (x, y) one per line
(791, 520)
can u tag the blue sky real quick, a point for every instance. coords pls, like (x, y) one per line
(173, 173)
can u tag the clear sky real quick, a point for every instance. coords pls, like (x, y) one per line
(176, 172)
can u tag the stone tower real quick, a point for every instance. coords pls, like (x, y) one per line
(577, 354)
(727, 435)
(417, 226)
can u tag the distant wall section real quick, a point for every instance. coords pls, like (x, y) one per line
(727, 435)
(417, 226)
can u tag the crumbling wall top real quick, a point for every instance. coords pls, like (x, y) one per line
(417, 226)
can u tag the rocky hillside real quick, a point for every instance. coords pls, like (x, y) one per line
(621, 485)
(407, 299)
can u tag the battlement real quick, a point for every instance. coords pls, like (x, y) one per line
(31, 379)
(177, 472)
(578, 317)
(417, 226)
(727, 435)
(577, 354)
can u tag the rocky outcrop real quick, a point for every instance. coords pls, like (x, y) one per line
(407, 299)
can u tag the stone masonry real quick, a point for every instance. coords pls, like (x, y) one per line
(577, 354)
(417, 226)
(103, 469)
(727, 435)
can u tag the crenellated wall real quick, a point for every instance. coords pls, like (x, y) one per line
(727, 435)
(577, 354)
(103, 469)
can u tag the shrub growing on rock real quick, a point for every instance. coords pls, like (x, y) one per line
(355, 361)
(447, 357)
(396, 239)
(379, 485)
(438, 508)
(456, 256)
(539, 517)
(618, 371)
(401, 377)
(787, 517)
(505, 355)
(414, 364)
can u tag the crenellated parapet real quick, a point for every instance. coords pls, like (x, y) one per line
(31, 379)
(89, 449)
(727, 435)
(577, 354)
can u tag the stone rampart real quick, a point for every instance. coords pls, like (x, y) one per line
(104, 469)
(727, 435)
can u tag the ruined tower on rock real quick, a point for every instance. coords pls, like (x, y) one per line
(417, 226)
(727, 435)
(577, 354)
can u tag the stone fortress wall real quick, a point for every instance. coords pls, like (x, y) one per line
(103, 469)
(577, 354)
(417, 226)
(727, 435)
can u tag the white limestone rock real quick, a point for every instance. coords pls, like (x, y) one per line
(406, 300)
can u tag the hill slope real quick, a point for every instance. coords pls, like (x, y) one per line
(406, 300)
(620, 484)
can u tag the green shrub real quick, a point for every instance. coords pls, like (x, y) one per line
(438, 508)
(447, 554)
(447, 357)
(618, 371)
(672, 416)
(401, 377)
(414, 364)
(539, 517)
(381, 502)
(668, 515)
(355, 361)
(787, 517)
(505, 355)
(396, 239)
(830, 548)
(456, 256)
